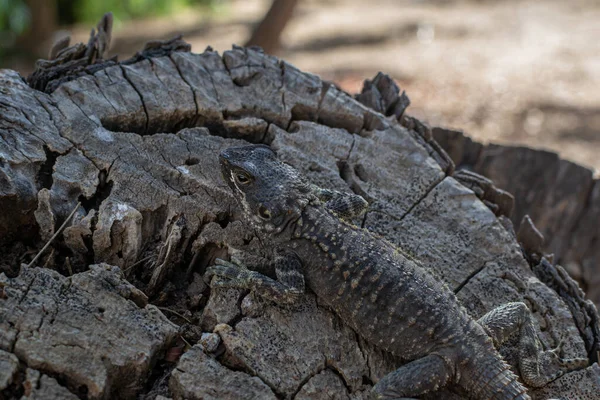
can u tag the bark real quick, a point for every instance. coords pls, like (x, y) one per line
(136, 143)
(267, 33)
(561, 197)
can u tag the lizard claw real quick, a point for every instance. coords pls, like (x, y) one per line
(230, 274)
(557, 351)
(569, 363)
(234, 263)
(226, 284)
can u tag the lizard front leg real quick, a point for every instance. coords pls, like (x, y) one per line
(537, 367)
(346, 206)
(287, 289)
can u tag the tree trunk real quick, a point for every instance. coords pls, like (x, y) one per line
(44, 22)
(267, 33)
(136, 144)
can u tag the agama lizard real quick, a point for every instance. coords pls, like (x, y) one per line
(386, 297)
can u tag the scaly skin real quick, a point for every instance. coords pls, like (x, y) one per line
(388, 298)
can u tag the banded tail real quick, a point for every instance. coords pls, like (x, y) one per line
(491, 378)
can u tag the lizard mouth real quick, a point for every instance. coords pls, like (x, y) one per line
(225, 170)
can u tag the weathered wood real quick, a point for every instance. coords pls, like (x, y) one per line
(136, 144)
(82, 329)
(200, 377)
(562, 199)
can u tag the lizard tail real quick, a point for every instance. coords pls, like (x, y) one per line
(492, 379)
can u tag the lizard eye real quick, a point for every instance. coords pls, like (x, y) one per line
(264, 213)
(242, 178)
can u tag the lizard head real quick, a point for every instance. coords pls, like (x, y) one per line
(273, 194)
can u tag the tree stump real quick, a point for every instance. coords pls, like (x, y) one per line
(136, 143)
(561, 197)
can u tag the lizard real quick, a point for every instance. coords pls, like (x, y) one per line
(387, 297)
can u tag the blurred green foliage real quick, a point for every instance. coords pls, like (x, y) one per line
(90, 11)
(14, 16)
(14, 20)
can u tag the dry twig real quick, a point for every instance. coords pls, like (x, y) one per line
(58, 232)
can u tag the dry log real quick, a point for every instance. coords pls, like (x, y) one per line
(136, 143)
(561, 197)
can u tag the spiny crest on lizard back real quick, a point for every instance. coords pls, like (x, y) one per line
(272, 194)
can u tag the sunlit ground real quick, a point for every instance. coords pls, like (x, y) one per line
(517, 72)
